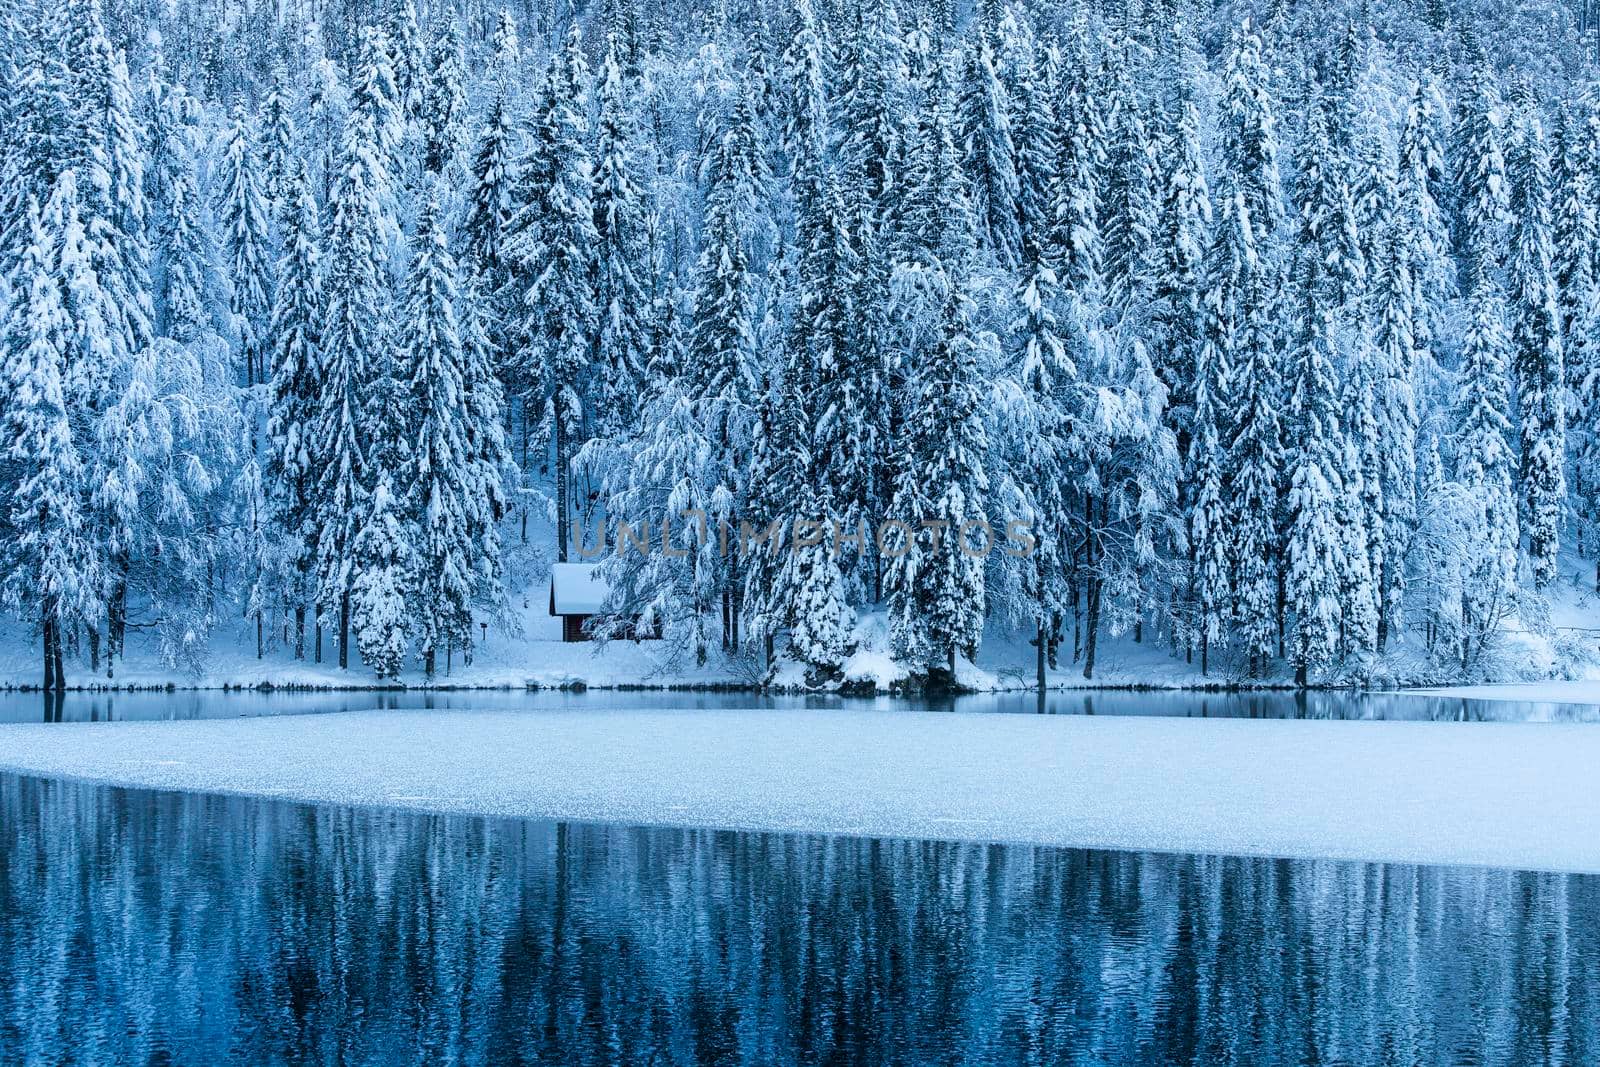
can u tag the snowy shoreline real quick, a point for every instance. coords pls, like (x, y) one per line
(1505, 795)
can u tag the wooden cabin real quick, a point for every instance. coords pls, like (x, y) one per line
(577, 593)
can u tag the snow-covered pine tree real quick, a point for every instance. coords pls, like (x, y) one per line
(1240, 339)
(407, 60)
(376, 103)
(436, 502)
(989, 154)
(1131, 204)
(551, 241)
(296, 386)
(1422, 237)
(622, 257)
(937, 597)
(382, 569)
(1394, 376)
(52, 564)
(1033, 123)
(1330, 266)
(443, 102)
(354, 336)
(1247, 122)
(1575, 234)
(241, 211)
(1178, 312)
(1485, 465)
(279, 138)
(1076, 247)
(1482, 192)
(103, 142)
(1316, 545)
(720, 357)
(189, 294)
(1538, 360)
(484, 229)
(37, 114)
(1210, 539)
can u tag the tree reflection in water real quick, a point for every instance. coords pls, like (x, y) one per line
(140, 927)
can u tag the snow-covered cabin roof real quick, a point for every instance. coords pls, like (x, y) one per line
(576, 589)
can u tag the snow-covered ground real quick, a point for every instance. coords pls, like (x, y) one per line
(1564, 650)
(1516, 795)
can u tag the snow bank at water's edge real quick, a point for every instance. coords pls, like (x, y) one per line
(1513, 795)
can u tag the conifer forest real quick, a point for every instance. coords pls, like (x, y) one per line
(1263, 332)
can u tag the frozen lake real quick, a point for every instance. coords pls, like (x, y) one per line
(177, 928)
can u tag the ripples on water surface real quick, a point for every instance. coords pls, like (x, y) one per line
(159, 928)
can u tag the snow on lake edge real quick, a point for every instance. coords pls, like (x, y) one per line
(1508, 795)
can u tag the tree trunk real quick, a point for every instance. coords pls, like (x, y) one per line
(55, 647)
(1039, 659)
(261, 647)
(562, 504)
(299, 631)
(1205, 653)
(344, 631)
(47, 628)
(427, 663)
(1092, 587)
(319, 637)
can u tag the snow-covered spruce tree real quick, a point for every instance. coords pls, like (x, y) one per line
(551, 242)
(1575, 235)
(382, 568)
(1249, 136)
(1331, 270)
(102, 142)
(483, 230)
(1536, 342)
(1037, 485)
(1485, 465)
(1177, 330)
(1076, 246)
(1392, 367)
(442, 105)
(1327, 490)
(1316, 556)
(1131, 205)
(720, 356)
(52, 564)
(488, 460)
(296, 386)
(622, 256)
(820, 616)
(988, 153)
(936, 589)
(1361, 505)
(376, 103)
(1583, 366)
(241, 212)
(37, 148)
(778, 464)
(189, 296)
(1209, 591)
(1421, 236)
(354, 336)
(279, 137)
(1238, 310)
(436, 501)
(1482, 192)
(1033, 122)
(407, 60)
